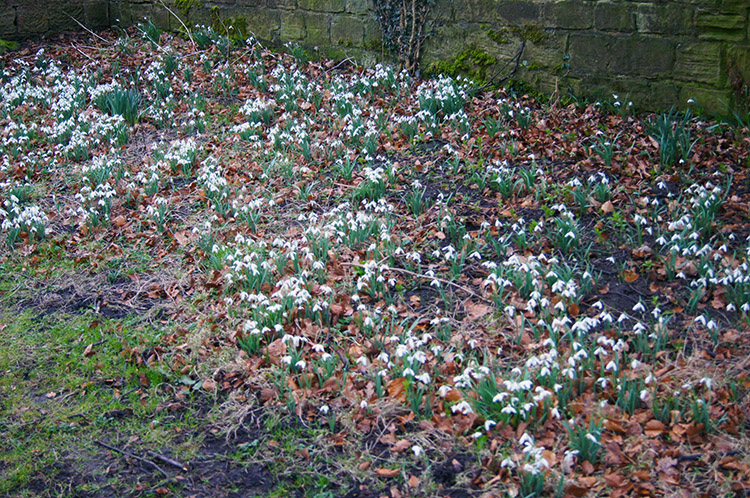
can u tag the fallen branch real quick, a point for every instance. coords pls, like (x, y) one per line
(180, 21)
(516, 58)
(87, 29)
(130, 455)
(441, 280)
(167, 460)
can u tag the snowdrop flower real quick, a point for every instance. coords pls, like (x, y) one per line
(324, 409)
(463, 407)
(417, 450)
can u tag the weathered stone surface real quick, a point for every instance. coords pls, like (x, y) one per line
(121, 14)
(671, 18)
(322, 5)
(599, 54)
(95, 14)
(739, 59)
(32, 17)
(292, 26)
(358, 6)
(58, 19)
(447, 41)
(282, 4)
(614, 16)
(318, 29)
(475, 10)
(730, 25)
(161, 17)
(569, 14)
(716, 101)
(643, 56)
(698, 62)
(264, 24)
(519, 12)
(7, 23)
(372, 35)
(347, 31)
(548, 53)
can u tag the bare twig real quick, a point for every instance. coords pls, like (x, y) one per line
(427, 277)
(180, 21)
(516, 58)
(130, 455)
(167, 460)
(87, 29)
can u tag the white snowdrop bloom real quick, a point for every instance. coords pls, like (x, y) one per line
(639, 307)
(611, 366)
(363, 404)
(462, 407)
(644, 394)
(324, 409)
(417, 450)
(444, 390)
(424, 378)
(489, 424)
(592, 438)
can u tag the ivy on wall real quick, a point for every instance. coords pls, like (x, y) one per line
(404, 27)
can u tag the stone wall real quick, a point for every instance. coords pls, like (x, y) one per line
(25, 19)
(659, 52)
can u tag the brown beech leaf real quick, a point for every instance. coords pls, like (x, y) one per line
(383, 472)
(629, 276)
(654, 428)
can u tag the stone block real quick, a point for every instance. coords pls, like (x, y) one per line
(445, 43)
(120, 14)
(347, 31)
(443, 11)
(713, 101)
(696, 61)
(264, 24)
(282, 4)
(59, 20)
(475, 10)
(7, 23)
(318, 29)
(32, 18)
(642, 56)
(599, 54)
(519, 13)
(358, 6)
(547, 54)
(727, 25)
(670, 19)
(292, 26)
(614, 16)
(373, 37)
(590, 53)
(322, 5)
(569, 14)
(95, 14)
(738, 58)
(161, 17)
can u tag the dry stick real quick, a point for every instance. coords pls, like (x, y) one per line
(130, 455)
(168, 460)
(87, 29)
(447, 282)
(83, 53)
(517, 58)
(180, 20)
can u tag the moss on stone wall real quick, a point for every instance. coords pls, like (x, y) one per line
(472, 63)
